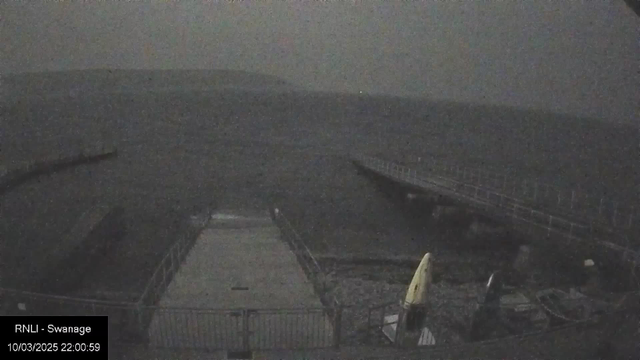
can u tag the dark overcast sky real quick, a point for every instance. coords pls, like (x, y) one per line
(580, 57)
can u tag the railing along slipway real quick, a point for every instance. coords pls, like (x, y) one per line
(503, 205)
(599, 209)
(166, 270)
(123, 316)
(127, 316)
(264, 329)
(313, 271)
(240, 329)
(170, 264)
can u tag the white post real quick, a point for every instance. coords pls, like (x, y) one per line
(164, 274)
(571, 231)
(573, 196)
(600, 206)
(171, 255)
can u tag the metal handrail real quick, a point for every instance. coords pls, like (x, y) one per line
(553, 223)
(306, 252)
(171, 260)
(612, 212)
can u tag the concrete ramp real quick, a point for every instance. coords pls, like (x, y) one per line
(240, 267)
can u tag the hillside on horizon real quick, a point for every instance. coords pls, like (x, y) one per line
(77, 82)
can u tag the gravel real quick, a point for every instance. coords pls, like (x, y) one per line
(371, 292)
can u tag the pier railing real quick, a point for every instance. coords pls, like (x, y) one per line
(528, 218)
(597, 208)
